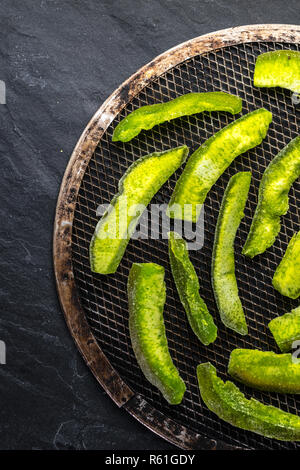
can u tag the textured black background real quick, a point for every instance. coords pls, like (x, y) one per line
(60, 60)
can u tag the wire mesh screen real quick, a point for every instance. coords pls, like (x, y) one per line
(104, 298)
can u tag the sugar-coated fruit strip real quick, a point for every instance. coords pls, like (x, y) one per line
(273, 200)
(149, 116)
(187, 285)
(230, 404)
(146, 298)
(265, 370)
(286, 329)
(209, 161)
(136, 189)
(223, 263)
(287, 275)
(278, 69)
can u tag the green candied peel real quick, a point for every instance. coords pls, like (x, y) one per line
(223, 264)
(287, 275)
(146, 298)
(210, 160)
(273, 200)
(265, 370)
(187, 285)
(278, 68)
(136, 189)
(286, 329)
(149, 116)
(230, 404)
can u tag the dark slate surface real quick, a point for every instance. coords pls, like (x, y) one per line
(60, 60)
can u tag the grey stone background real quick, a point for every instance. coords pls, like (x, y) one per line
(60, 60)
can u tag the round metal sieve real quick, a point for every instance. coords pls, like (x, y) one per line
(95, 306)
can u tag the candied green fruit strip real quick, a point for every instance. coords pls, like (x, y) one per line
(230, 404)
(146, 299)
(287, 275)
(265, 370)
(149, 116)
(278, 69)
(286, 329)
(136, 189)
(273, 200)
(187, 285)
(209, 161)
(223, 264)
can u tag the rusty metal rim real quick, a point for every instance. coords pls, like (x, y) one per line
(103, 371)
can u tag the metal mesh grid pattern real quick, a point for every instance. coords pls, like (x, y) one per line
(104, 298)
